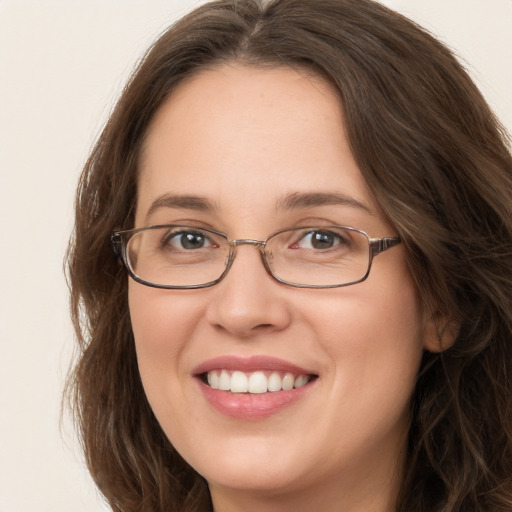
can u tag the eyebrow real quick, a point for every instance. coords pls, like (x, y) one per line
(294, 201)
(297, 201)
(187, 202)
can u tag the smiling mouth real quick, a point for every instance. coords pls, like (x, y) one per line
(257, 382)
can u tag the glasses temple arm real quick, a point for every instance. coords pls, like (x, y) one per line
(116, 243)
(379, 245)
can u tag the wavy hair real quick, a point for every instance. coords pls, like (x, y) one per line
(439, 165)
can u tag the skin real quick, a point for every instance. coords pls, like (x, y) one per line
(244, 138)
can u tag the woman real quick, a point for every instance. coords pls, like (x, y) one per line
(361, 361)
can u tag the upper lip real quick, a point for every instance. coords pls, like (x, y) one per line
(250, 364)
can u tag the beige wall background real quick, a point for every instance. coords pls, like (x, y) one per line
(62, 65)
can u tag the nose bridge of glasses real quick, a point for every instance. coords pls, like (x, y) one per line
(247, 241)
(234, 244)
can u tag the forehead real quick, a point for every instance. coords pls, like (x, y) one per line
(245, 137)
(244, 104)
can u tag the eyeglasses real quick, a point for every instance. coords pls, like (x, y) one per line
(183, 257)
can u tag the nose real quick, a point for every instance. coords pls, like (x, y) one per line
(248, 300)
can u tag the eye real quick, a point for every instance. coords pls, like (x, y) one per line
(320, 240)
(188, 240)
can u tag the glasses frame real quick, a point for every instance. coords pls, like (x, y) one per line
(119, 241)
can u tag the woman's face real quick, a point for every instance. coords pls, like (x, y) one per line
(247, 145)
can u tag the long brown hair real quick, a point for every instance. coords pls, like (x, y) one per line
(439, 165)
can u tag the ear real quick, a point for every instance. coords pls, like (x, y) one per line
(440, 331)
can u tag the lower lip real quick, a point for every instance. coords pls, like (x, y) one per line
(247, 406)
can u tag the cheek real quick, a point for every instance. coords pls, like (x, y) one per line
(373, 336)
(161, 327)
(366, 318)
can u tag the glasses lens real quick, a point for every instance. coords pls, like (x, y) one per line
(177, 255)
(331, 256)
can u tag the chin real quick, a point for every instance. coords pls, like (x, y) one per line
(259, 465)
(264, 479)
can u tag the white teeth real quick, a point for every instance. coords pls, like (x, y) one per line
(224, 381)
(239, 383)
(275, 382)
(300, 381)
(258, 383)
(213, 380)
(255, 382)
(288, 381)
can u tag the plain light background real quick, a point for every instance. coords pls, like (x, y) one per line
(62, 65)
